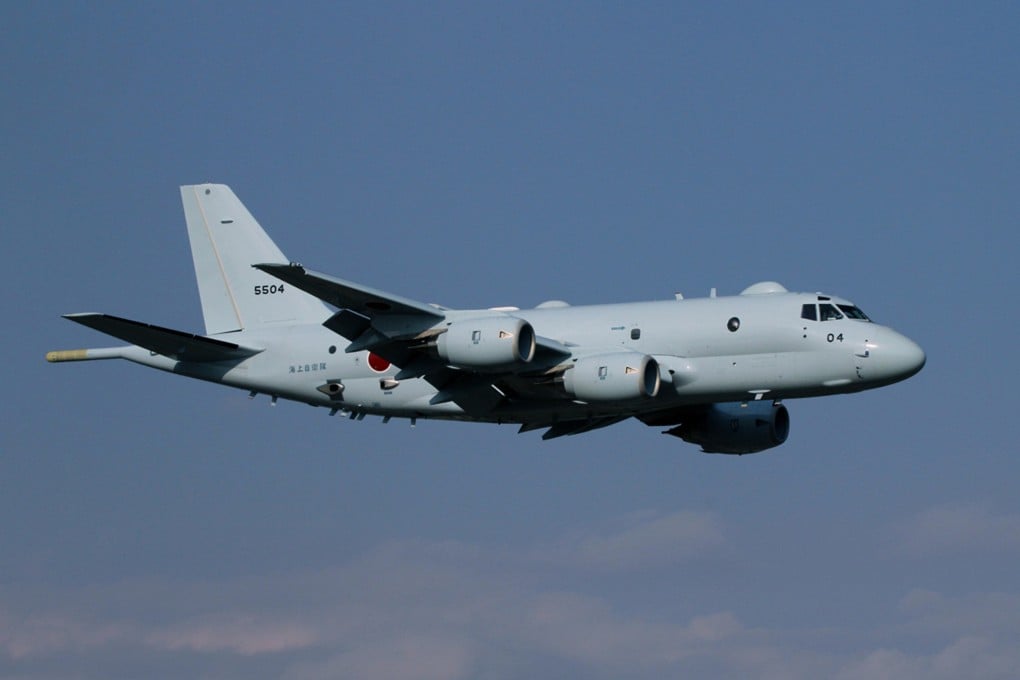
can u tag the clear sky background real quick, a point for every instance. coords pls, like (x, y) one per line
(479, 154)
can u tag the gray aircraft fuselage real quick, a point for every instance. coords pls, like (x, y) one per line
(569, 368)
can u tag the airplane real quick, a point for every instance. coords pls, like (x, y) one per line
(715, 371)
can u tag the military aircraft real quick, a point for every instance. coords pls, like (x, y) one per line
(713, 370)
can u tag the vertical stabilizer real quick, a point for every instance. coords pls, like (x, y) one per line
(225, 242)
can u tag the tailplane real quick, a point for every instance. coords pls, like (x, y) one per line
(177, 345)
(225, 242)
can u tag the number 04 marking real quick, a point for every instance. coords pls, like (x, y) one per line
(832, 338)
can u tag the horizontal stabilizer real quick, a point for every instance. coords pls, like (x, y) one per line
(166, 341)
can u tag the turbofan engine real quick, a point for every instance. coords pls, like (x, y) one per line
(619, 376)
(487, 343)
(737, 428)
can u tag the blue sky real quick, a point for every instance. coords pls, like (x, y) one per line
(479, 154)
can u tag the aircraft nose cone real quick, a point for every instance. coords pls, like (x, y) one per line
(907, 356)
(897, 357)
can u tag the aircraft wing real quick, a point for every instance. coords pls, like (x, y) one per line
(388, 325)
(166, 341)
(371, 318)
(571, 427)
(399, 329)
(363, 300)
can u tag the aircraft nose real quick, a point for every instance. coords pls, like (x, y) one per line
(906, 356)
(896, 356)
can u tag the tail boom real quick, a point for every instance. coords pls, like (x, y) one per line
(61, 355)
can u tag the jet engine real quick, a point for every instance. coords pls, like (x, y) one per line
(487, 342)
(737, 428)
(619, 376)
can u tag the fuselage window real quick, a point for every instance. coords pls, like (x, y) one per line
(828, 312)
(809, 312)
(635, 333)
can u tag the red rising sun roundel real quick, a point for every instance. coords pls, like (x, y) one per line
(377, 363)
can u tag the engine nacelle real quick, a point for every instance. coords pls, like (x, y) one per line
(487, 343)
(619, 376)
(737, 428)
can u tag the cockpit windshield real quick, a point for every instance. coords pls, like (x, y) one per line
(830, 312)
(854, 313)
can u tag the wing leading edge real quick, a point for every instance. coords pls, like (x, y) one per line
(364, 300)
(369, 317)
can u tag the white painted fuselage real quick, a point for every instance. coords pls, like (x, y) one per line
(270, 330)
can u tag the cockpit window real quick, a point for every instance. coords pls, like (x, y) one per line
(828, 312)
(854, 313)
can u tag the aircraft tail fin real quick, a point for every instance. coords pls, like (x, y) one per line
(225, 242)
